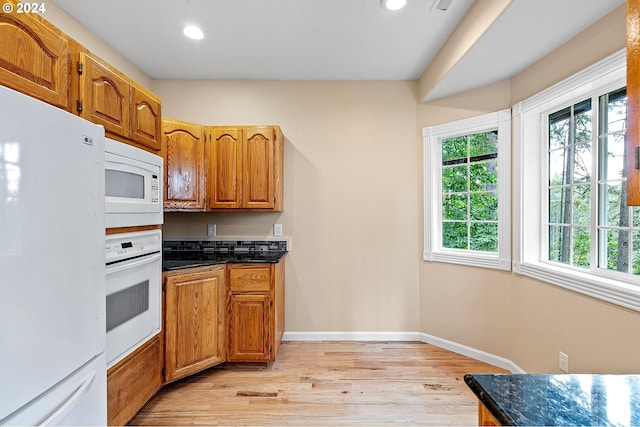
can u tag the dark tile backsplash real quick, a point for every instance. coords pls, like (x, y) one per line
(225, 246)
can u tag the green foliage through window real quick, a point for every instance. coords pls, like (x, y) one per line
(469, 192)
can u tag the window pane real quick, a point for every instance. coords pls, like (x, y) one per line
(615, 210)
(635, 267)
(454, 207)
(558, 173)
(454, 235)
(559, 241)
(559, 128)
(581, 163)
(557, 205)
(454, 179)
(617, 250)
(483, 143)
(581, 247)
(636, 216)
(484, 176)
(616, 111)
(581, 204)
(612, 166)
(454, 148)
(484, 237)
(583, 128)
(484, 206)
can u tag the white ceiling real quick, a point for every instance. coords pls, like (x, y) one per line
(328, 39)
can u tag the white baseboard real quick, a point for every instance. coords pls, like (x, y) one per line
(480, 355)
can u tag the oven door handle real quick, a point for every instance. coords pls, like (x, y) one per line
(133, 263)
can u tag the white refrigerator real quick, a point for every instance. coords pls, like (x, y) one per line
(52, 266)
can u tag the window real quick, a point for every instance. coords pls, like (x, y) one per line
(467, 174)
(572, 226)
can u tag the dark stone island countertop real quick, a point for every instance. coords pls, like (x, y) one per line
(177, 255)
(559, 400)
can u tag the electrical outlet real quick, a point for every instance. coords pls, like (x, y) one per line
(211, 229)
(564, 362)
(277, 230)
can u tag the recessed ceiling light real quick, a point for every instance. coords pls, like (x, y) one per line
(393, 4)
(193, 32)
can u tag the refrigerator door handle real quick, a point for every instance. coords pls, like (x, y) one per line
(71, 401)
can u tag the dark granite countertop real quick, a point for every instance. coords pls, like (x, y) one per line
(179, 254)
(559, 400)
(189, 259)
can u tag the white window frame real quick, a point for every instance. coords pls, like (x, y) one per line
(530, 179)
(432, 150)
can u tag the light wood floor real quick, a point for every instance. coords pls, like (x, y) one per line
(327, 383)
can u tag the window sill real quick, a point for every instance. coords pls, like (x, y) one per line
(473, 259)
(603, 288)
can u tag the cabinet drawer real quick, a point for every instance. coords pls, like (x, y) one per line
(250, 278)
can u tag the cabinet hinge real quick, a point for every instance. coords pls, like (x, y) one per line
(80, 67)
(270, 349)
(68, 59)
(79, 105)
(270, 303)
(637, 158)
(163, 372)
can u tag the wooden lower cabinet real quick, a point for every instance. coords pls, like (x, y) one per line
(255, 311)
(195, 325)
(484, 416)
(133, 381)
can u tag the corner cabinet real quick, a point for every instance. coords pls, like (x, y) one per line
(109, 98)
(34, 57)
(245, 168)
(255, 311)
(184, 162)
(194, 320)
(633, 103)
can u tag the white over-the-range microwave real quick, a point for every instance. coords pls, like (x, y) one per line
(133, 186)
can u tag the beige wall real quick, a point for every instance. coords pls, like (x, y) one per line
(353, 212)
(351, 196)
(521, 319)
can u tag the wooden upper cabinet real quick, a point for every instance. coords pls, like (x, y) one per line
(34, 58)
(245, 166)
(633, 102)
(104, 96)
(224, 162)
(258, 191)
(184, 159)
(125, 109)
(146, 118)
(195, 326)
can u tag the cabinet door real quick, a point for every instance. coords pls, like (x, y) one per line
(133, 381)
(145, 118)
(105, 96)
(633, 103)
(195, 322)
(34, 58)
(258, 186)
(183, 152)
(224, 155)
(249, 321)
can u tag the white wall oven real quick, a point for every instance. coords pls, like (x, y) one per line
(134, 290)
(133, 186)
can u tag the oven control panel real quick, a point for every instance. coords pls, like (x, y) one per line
(123, 246)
